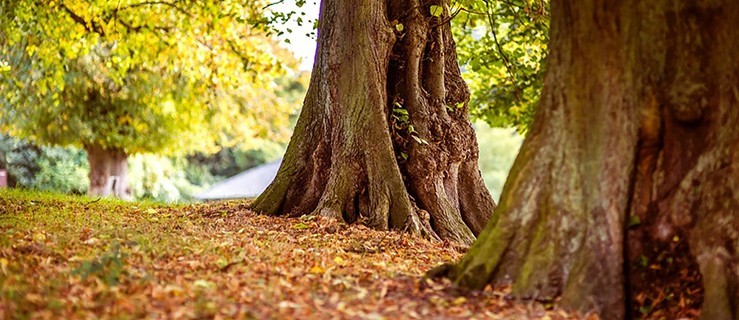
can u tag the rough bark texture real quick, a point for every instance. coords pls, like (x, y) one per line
(639, 117)
(384, 134)
(108, 172)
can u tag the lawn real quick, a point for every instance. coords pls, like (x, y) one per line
(76, 257)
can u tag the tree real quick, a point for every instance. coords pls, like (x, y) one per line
(635, 144)
(502, 46)
(384, 133)
(125, 77)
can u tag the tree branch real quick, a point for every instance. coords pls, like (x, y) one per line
(90, 26)
(273, 3)
(506, 61)
(154, 3)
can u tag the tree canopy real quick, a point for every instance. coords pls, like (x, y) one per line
(502, 47)
(142, 76)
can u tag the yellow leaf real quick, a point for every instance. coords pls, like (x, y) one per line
(4, 265)
(151, 211)
(459, 301)
(317, 270)
(39, 237)
(436, 11)
(339, 260)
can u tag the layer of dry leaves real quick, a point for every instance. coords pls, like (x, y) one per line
(65, 258)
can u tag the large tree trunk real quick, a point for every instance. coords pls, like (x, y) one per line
(639, 117)
(108, 172)
(384, 134)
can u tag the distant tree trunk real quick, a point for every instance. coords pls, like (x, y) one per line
(384, 134)
(108, 172)
(639, 118)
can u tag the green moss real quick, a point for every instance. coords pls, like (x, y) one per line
(538, 259)
(477, 267)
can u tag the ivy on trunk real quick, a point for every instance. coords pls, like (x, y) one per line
(384, 134)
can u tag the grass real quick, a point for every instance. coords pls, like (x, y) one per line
(76, 257)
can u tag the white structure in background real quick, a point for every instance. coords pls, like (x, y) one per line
(248, 184)
(302, 46)
(3, 178)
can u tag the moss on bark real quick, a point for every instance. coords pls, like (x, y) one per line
(639, 117)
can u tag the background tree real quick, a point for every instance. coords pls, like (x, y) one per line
(634, 146)
(384, 133)
(125, 77)
(502, 47)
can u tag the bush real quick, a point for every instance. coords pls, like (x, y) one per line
(63, 170)
(161, 178)
(57, 169)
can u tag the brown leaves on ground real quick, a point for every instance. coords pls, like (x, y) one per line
(72, 258)
(667, 282)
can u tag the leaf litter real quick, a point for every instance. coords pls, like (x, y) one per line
(68, 257)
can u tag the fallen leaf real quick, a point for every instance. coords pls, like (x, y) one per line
(205, 284)
(4, 265)
(316, 270)
(459, 301)
(39, 237)
(300, 226)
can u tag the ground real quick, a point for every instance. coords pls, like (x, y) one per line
(75, 257)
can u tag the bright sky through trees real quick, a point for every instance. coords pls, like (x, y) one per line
(302, 45)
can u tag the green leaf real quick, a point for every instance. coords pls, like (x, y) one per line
(307, 217)
(634, 221)
(400, 111)
(300, 226)
(399, 27)
(436, 11)
(643, 261)
(420, 140)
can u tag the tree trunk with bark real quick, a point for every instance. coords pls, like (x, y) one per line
(108, 172)
(636, 143)
(384, 134)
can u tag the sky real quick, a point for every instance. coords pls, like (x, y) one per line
(302, 46)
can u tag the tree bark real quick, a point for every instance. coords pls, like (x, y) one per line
(108, 172)
(639, 117)
(384, 135)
